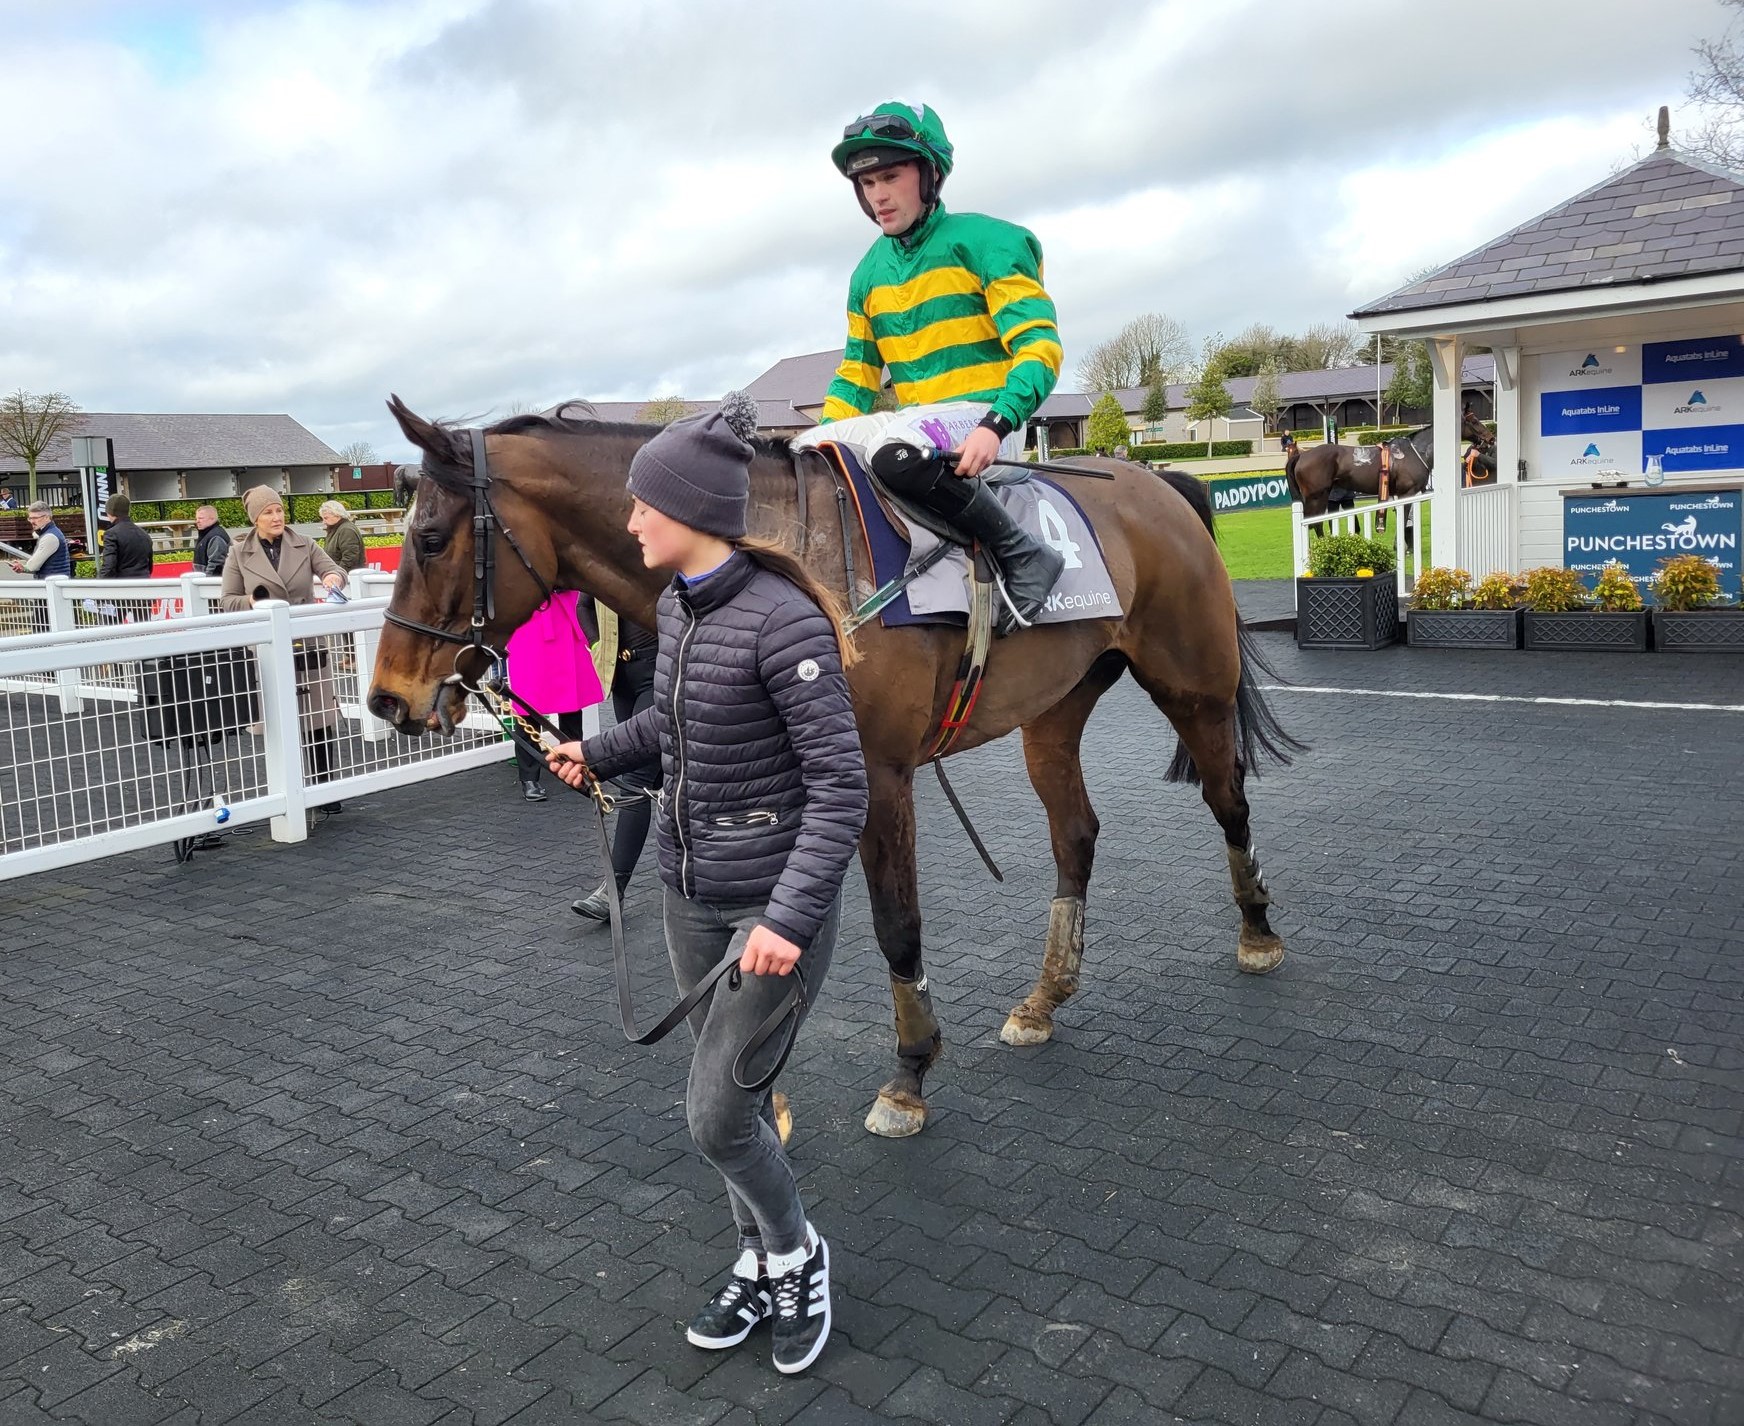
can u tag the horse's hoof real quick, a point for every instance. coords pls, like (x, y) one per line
(783, 1117)
(1258, 954)
(1024, 1027)
(896, 1116)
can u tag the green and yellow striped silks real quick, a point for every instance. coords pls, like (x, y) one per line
(957, 312)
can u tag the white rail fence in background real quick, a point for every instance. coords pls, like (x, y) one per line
(1408, 563)
(132, 716)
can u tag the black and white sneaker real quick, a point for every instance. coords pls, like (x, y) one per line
(802, 1306)
(727, 1318)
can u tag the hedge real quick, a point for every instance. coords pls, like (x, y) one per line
(1173, 450)
(302, 509)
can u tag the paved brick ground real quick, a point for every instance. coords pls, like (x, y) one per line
(348, 1132)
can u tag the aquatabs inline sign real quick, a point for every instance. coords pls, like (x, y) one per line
(1264, 492)
(1639, 530)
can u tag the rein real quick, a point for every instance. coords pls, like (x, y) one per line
(535, 734)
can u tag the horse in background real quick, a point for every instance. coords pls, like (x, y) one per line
(1319, 475)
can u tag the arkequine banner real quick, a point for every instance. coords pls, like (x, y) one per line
(1641, 529)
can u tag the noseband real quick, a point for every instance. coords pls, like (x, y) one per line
(486, 526)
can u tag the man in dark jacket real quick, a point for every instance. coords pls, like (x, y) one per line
(126, 547)
(212, 547)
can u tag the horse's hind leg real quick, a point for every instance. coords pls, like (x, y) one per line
(1207, 731)
(1050, 748)
(1210, 739)
(887, 854)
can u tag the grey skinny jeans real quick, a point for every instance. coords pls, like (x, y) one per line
(735, 1129)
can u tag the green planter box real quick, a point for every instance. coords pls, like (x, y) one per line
(1699, 631)
(1463, 628)
(1587, 631)
(1347, 613)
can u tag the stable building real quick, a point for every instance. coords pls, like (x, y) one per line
(191, 457)
(1615, 324)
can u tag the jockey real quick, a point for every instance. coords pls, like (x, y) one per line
(953, 305)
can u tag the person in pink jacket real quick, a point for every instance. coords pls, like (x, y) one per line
(551, 667)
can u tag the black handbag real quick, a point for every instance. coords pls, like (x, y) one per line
(196, 698)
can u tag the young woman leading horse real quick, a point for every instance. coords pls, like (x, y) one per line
(557, 485)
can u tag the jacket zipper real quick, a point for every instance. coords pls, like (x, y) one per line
(684, 882)
(759, 818)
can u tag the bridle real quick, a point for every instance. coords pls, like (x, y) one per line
(536, 734)
(486, 526)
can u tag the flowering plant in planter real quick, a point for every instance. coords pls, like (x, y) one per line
(1685, 582)
(1693, 615)
(1341, 556)
(1614, 592)
(1439, 587)
(1496, 591)
(1551, 589)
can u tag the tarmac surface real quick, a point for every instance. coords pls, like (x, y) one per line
(347, 1131)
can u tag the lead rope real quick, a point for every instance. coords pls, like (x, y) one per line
(536, 735)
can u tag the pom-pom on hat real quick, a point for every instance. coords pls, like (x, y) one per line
(698, 470)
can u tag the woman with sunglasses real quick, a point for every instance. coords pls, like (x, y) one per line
(765, 797)
(987, 333)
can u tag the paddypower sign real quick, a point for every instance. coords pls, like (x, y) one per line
(1264, 492)
(1640, 530)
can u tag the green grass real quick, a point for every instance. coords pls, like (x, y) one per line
(1256, 543)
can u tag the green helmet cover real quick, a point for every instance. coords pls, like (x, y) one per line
(928, 141)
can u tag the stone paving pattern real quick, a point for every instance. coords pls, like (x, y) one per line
(347, 1132)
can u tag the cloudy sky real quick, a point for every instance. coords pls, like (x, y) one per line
(272, 205)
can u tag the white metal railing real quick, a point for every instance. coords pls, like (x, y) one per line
(1408, 562)
(116, 736)
(1487, 529)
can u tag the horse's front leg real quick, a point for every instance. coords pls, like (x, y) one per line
(887, 854)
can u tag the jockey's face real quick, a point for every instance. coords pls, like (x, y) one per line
(894, 196)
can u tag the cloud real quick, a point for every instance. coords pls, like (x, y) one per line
(303, 206)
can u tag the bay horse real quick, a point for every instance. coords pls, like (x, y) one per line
(556, 492)
(1315, 472)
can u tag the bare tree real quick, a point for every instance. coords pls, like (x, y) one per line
(1150, 348)
(664, 411)
(357, 453)
(1718, 86)
(1326, 345)
(30, 424)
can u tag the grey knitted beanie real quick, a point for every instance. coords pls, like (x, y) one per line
(698, 470)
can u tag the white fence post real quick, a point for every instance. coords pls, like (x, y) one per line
(280, 725)
(58, 601)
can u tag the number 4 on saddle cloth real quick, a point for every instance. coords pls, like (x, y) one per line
(902, 537)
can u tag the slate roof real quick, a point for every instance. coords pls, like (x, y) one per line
(798, 380)
(1666, 216)
(189, 442)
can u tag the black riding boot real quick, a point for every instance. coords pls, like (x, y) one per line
(1028, 567)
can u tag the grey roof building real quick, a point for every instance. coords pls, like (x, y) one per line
(190, 442)
(1667, 216)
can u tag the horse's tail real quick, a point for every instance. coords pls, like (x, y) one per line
(1290, 471)
(1258, 734)
(1196, 493)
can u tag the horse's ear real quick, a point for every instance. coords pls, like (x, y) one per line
(427, 436)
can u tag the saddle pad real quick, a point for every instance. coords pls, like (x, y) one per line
(941, 594)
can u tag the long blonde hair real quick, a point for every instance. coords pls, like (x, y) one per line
(778, 559)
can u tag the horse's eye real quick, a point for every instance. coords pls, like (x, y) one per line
(431, 542)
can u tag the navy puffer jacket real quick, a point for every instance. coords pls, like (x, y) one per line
(765, 789)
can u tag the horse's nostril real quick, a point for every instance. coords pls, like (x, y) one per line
(388, 707)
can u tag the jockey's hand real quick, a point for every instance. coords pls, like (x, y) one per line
(767, 953)
(566, 761)
(980, 448)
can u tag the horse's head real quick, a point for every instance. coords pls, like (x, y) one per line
(1474, 430)
(414, 687)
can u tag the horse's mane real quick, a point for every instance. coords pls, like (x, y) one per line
(454, 476)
